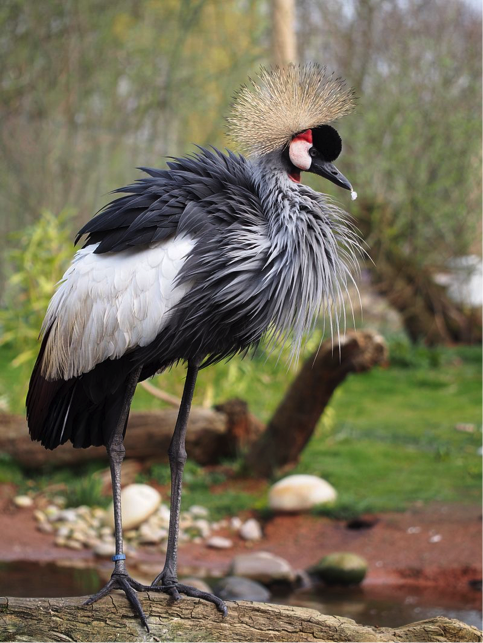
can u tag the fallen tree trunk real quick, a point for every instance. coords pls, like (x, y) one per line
(111, 619)
(212, 434)
(295, 419)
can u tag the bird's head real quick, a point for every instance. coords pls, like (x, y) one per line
(285, 114)
(313, 151)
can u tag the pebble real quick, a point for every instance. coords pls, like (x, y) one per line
(23, 501)
(218, 542)
(105, 550)
(73, 544)
(67, 515)
(436, 538)
(203, 527)
(64, 531)
(40, 516)
(52, 512)
(105, 531)
(299, 493)
(235, 523)
(199, 511)
(251, 530)
(84, 526)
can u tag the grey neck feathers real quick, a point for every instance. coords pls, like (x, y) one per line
(313, 249)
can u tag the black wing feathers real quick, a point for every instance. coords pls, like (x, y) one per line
(178, 200)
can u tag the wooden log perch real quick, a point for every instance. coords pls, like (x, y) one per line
(212, 434)
(112, 619)
(295, 419)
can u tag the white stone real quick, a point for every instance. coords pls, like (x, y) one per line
(73, 544)
(40, 516)
(64, 531)
(199, 511)
(203, 526)
(163, 516)
(105, 550)
(52, 512)
(138, 502)
(218, 542)
(235, 523)
(263, 567)
(149, 535)
(251, 530)
(299, 493)
(23, 501)
(67, 515)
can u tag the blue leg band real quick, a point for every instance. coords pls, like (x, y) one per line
(119, 557)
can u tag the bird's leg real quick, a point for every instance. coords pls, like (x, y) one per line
(167, 580)
(115, 449)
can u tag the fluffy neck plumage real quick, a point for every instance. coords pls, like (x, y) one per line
(312, 248)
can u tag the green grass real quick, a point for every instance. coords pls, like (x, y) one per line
(387, 439)
(393, 438)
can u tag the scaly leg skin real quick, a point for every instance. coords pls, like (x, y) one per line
(167, 580)
(115, 449)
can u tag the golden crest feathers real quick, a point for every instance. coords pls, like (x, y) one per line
(281, 102)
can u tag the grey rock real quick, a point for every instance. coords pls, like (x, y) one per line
(263, 567)
(235, 588)
(218, 542)
(197, 583)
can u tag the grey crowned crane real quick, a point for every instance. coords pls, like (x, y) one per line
(195, 264)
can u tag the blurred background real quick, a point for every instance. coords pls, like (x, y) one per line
(91, 90)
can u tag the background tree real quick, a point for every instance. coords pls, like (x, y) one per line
(413, 145)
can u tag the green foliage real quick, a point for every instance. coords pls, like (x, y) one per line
(198, 486)
(404, 354)
(390, 438)
(349, 507)
(195, 477)
(86, 491)
(10, 471)
(37, 262)
(72, 129)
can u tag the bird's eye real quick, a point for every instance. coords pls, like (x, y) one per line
(313, 152)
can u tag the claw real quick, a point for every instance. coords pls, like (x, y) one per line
(192, 592)
(127, 585)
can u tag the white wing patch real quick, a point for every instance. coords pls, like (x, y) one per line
(109, 303)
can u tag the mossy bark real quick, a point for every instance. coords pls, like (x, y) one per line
(66, 619)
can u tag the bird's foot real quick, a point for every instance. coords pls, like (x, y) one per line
(129, 586)
(174, 589)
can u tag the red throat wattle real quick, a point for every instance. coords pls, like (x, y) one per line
(303, 136)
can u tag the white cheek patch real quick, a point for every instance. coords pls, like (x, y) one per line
(299, 154)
